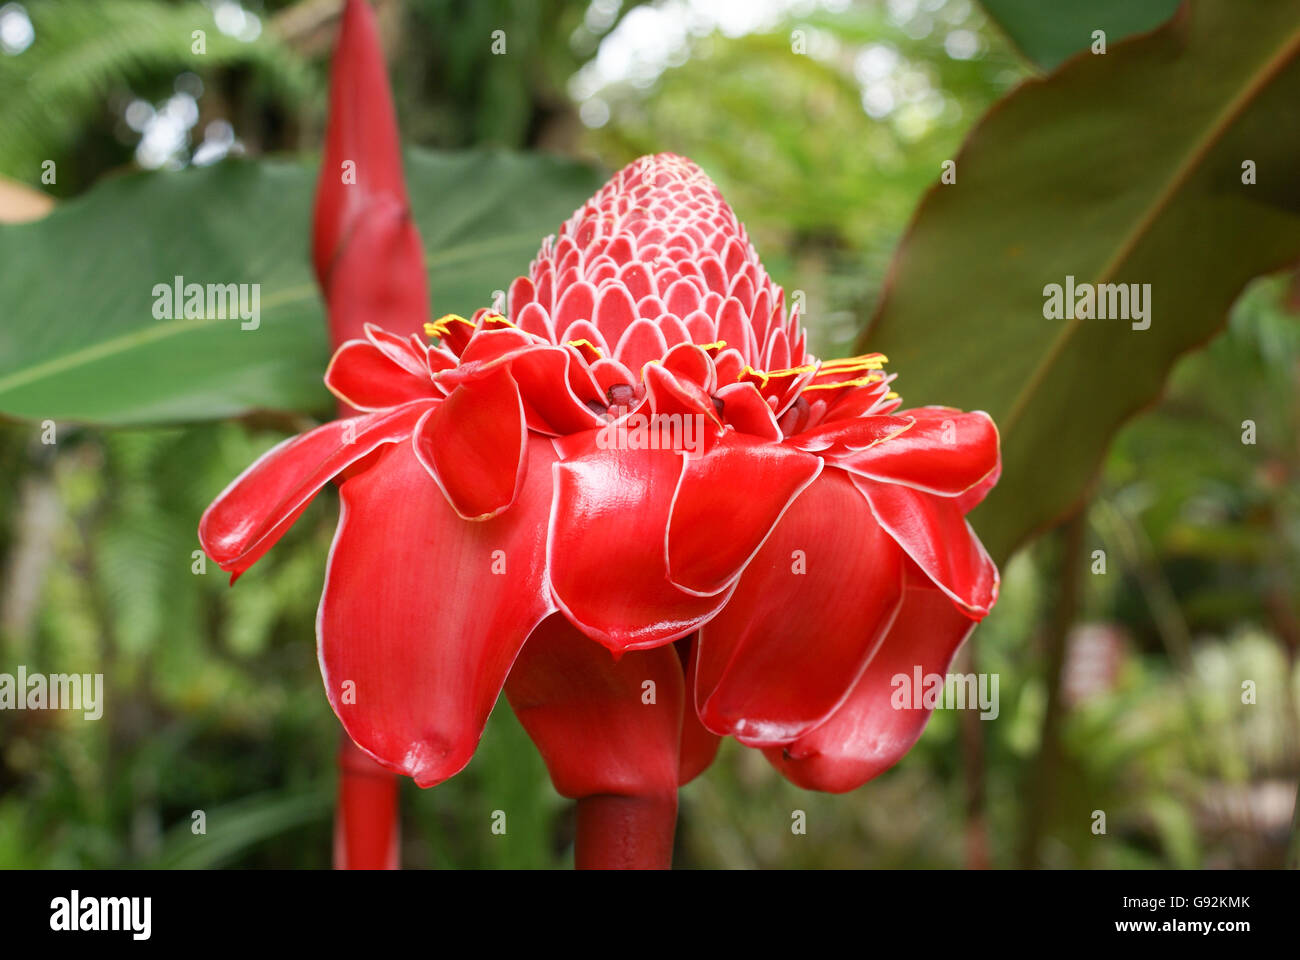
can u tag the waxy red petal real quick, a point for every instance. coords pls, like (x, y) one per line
(840, 439)
(973, 497)
(603, 726)
(521, 294)
(259, 505)
(805, 618)
(367, 378)
(677, 401)
(423, 613)
(935, 534)
(734, 329)
(473, 445)
(615, 311)
(688, 362)
(549, 379)
(587, 335)
(720, 516)
(744, 408)
(488, 350)
(878, 723)
(729, 364)
(535, 320)
(409, 352)
(945, 452)
(606, 550)
(641, 342)
(577, 303)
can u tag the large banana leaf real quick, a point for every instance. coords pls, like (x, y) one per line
(1048, 31)
(1128, 169)
(80, 340)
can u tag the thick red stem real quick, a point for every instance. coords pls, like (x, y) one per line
(386, 276)
(367, 830)
(625, 833)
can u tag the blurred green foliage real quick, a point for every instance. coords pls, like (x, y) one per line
(93, 55)
(216, 704)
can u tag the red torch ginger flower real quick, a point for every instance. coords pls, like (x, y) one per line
(637, 479)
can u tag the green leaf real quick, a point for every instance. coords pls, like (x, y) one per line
(80, 341)
(235, 828)
(1047, 33)
(1126, 169)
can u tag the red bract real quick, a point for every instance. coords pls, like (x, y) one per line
(639, 504)
(365, 249)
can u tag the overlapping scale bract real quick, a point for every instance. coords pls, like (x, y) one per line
(657, 244)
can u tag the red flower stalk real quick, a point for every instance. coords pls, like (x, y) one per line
(366, 834)
(512, 516)
(365, 247)
(369, 262)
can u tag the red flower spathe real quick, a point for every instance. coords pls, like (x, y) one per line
(637, 503)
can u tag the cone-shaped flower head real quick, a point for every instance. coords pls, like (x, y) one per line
(634, 473)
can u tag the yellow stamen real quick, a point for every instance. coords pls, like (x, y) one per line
(859, 382)
(804, 369)
(442, 326)
(852, 362)
(876, 360)
(769, 374)
(585, 343)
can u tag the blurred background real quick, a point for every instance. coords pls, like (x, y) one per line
(1120, 671)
